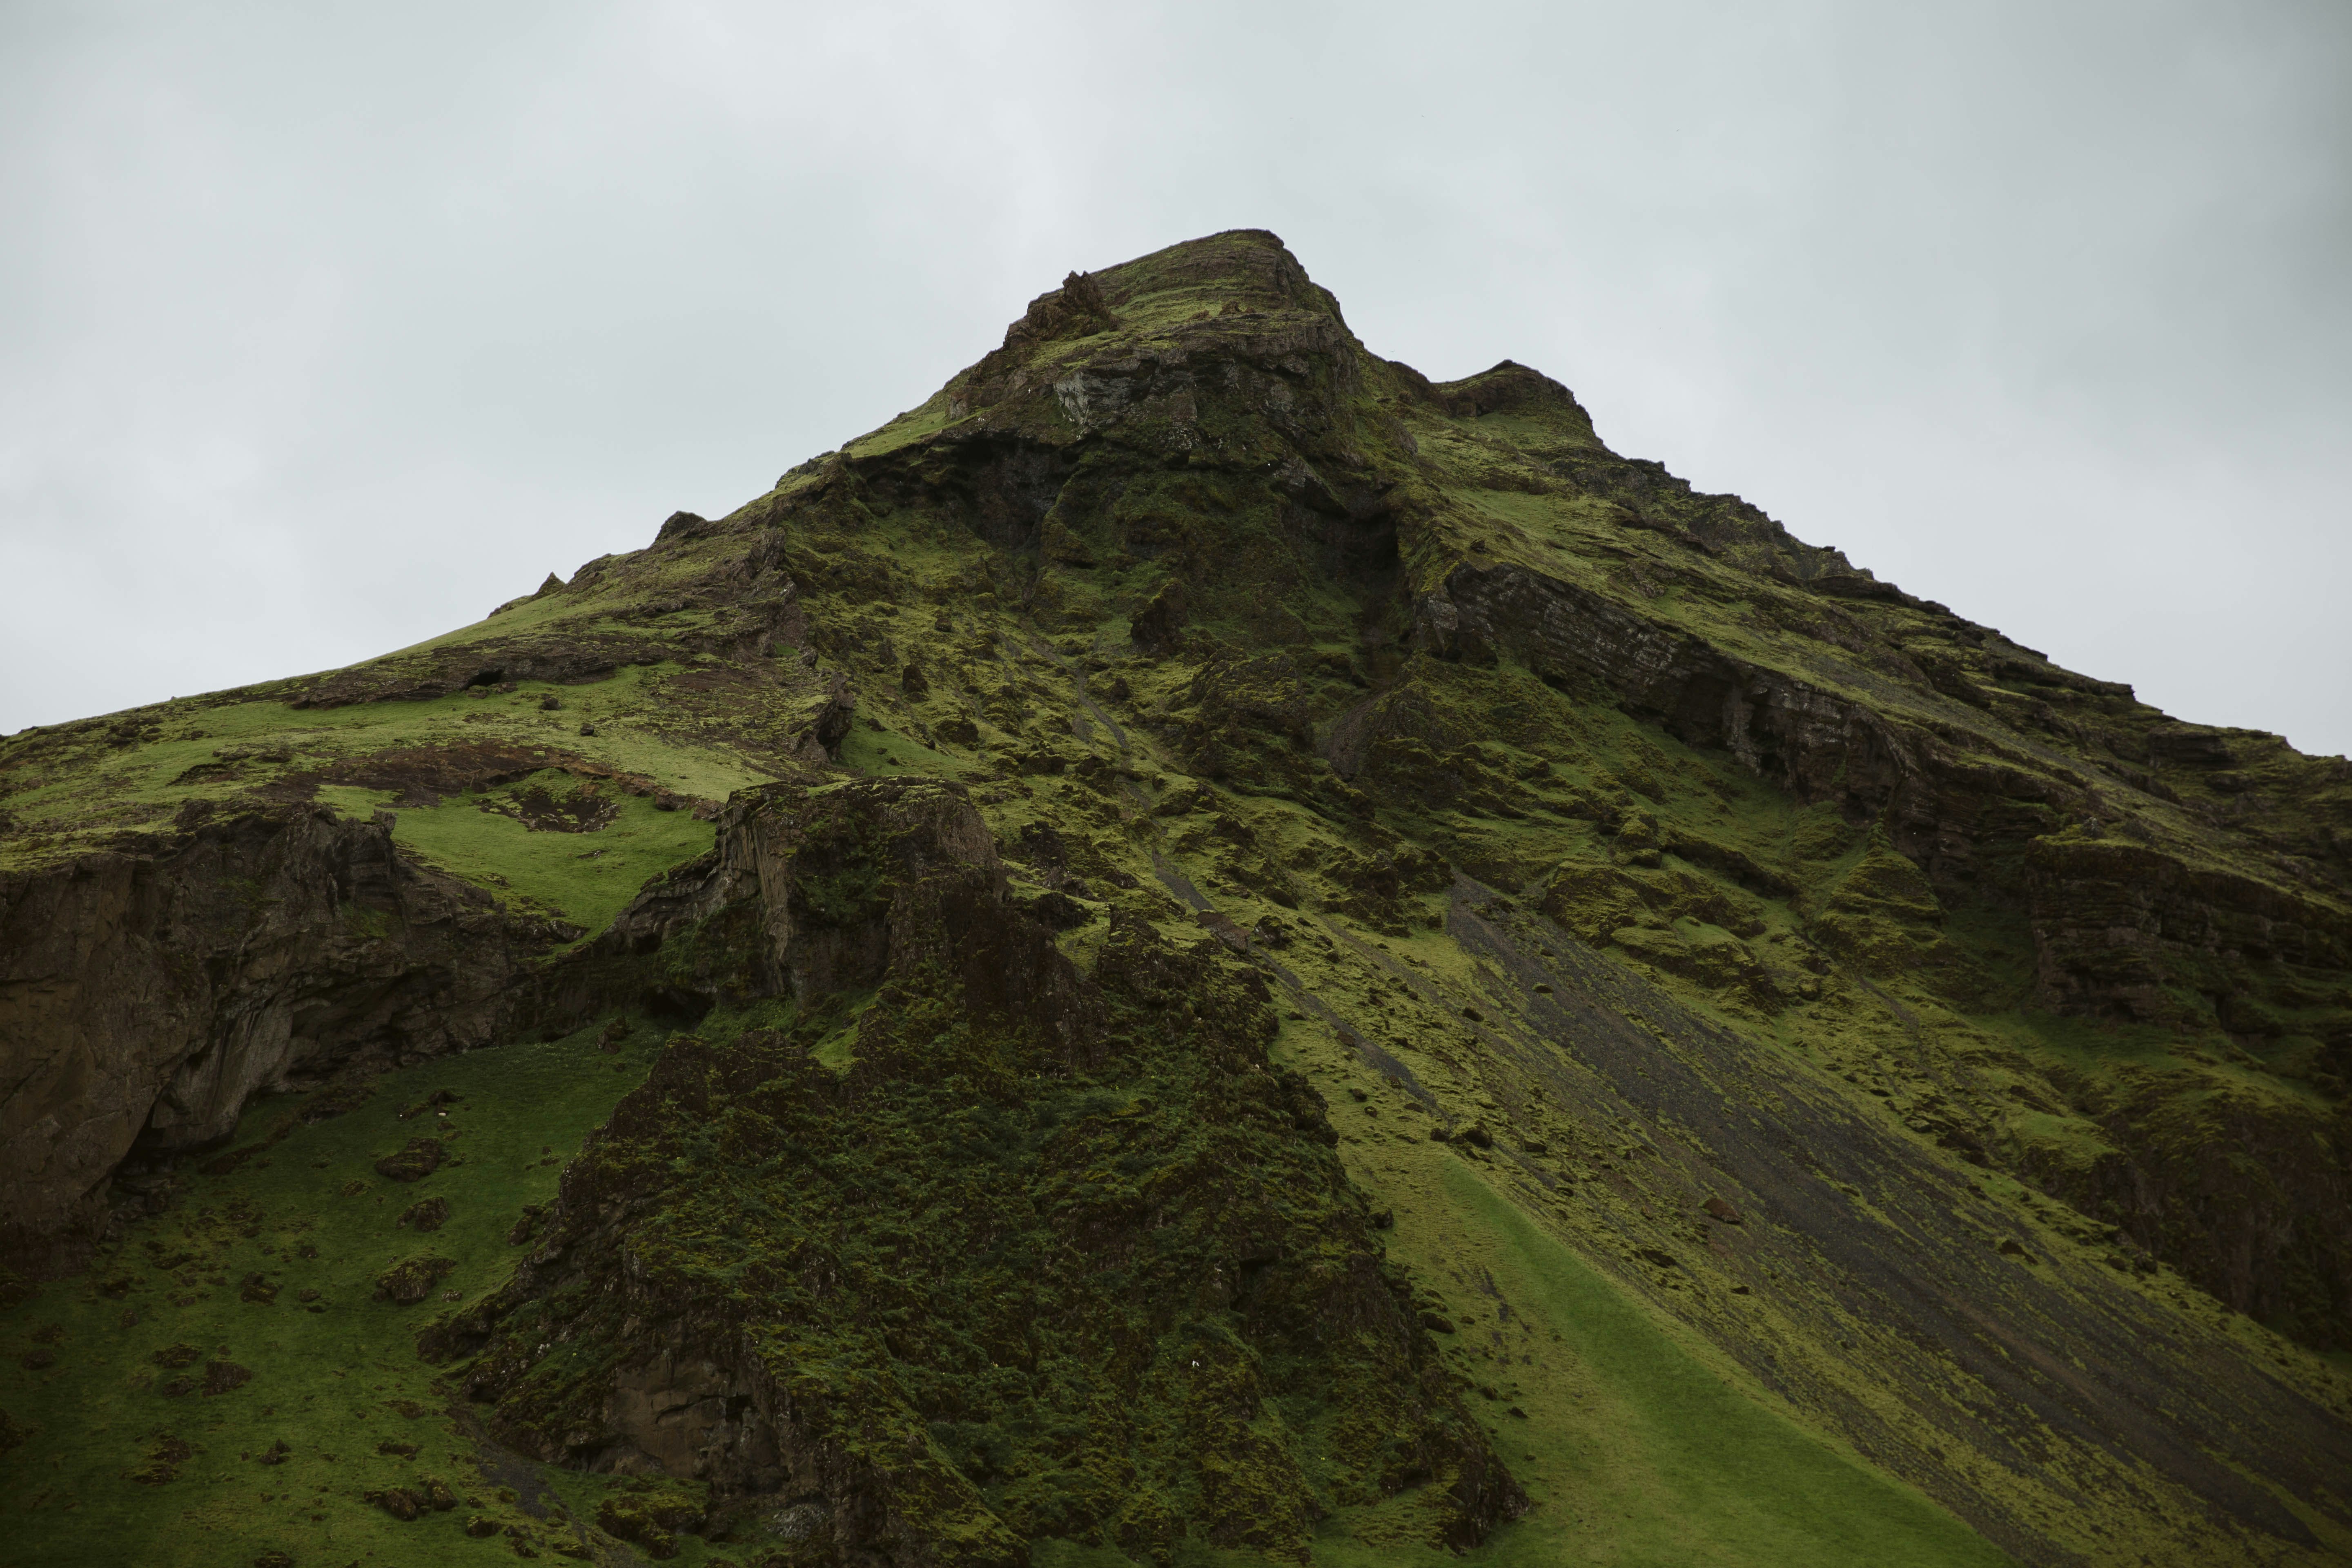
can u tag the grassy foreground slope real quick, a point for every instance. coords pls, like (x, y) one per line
(270, 1269)
(1832, 1086)
(1637, 1447)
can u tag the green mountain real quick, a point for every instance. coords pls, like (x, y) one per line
(1201, 951)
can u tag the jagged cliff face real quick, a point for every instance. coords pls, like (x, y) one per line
(152, 988)
(1184, 741)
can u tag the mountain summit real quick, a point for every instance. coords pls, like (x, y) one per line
(1202, 949)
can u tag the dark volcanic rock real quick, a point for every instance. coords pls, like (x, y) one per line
(224, 1376)
(165, 1454)
(430, 1214)
(418, 1159)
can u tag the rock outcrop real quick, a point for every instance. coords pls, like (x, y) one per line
(1112, 1214)
(147, 992)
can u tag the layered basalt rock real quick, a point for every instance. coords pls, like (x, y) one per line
(1993, 814)
(2137, 914)
(1812, 742)
(2126, 929)
(1116, 1241)
(2251, 1201)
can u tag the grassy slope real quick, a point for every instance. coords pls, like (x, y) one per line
(329, 1385)
(1636, 1449)
(1637, 1446)
(585, 878)
(216, 751)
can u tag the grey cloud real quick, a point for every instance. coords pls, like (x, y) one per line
(324, 329)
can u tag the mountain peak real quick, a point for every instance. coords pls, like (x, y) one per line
(1202, 944)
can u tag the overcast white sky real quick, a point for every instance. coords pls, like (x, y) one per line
(325, 326)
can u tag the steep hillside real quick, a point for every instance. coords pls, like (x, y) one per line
(1202, 949)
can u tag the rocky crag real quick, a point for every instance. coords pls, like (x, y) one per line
(1202, 945)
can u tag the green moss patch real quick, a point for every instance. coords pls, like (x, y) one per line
(583, 877)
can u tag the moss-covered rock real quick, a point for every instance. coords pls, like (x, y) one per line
(1119, 1292)
(412, 1279)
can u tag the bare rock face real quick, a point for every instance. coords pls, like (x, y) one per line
(1131, 1223)
(147, 993)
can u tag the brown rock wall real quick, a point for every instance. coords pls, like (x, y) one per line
(147, 992)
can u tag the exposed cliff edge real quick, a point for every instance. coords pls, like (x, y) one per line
(149, 991)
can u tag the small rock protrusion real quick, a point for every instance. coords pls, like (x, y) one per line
(527, 1227)
(430, 1214)
(412, 1279)
(222, 1377)
(1224, 927)
(420, 1159)
(1060, 911)
(1723, 1210)
(165, 1454)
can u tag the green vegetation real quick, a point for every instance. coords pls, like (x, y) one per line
(72, 785)
(1213, 813)
(271, 1268)
(581, 876)
(1637, 1450)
